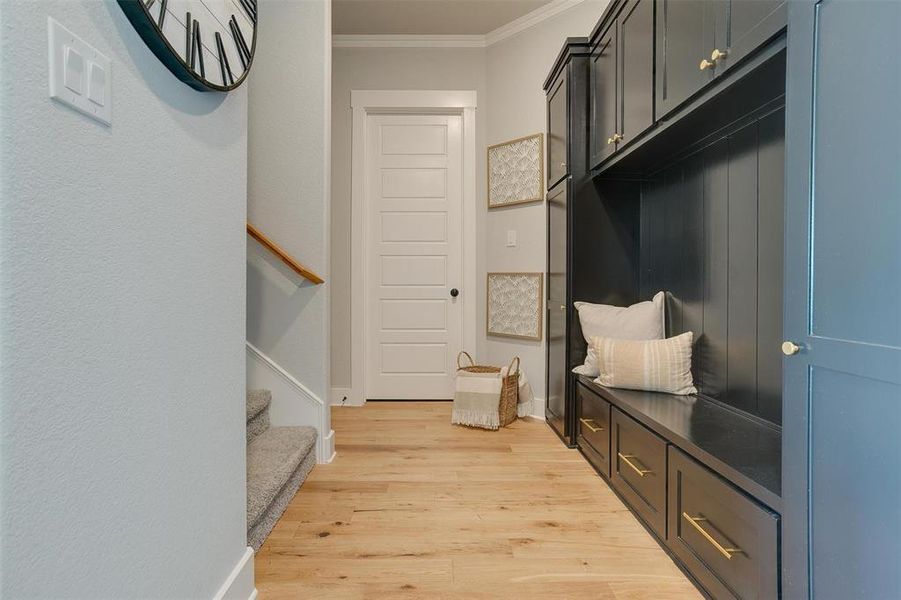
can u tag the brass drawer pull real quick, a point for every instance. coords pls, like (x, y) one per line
(695, 522)
(589, 423)
(625, 458)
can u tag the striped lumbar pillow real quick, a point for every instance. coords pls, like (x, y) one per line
(651, 365)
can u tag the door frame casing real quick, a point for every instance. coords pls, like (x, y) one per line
(366, 103)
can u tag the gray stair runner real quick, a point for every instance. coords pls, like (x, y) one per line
(278, 461)
(257, 412)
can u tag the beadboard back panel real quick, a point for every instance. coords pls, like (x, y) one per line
(712, 237)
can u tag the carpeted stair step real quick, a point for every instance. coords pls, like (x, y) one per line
(258, 402)
(278, 461)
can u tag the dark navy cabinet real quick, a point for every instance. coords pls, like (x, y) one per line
(753, 175)
(750, 24)
(557, 407)
(699, 40)
(603, 95)
(635, 98)
(622, 78)
(686, 35)
(566, 90)
(557, 131)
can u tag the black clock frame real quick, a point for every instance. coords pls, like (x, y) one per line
(146, 26)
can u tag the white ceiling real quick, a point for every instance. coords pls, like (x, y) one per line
(426, 17)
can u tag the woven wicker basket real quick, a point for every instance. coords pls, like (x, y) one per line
(507, 404)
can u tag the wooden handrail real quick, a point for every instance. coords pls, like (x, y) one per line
(284, 256)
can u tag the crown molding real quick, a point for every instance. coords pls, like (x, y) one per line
(527, 21)
(408, 41)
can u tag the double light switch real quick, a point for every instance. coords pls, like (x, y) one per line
(79, 73)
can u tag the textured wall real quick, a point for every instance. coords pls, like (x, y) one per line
(288, 158)
(121, 323)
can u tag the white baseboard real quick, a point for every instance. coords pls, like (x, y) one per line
(344, 396)
(240, 583)
(538, 405)
(329, 446)
(293, 403)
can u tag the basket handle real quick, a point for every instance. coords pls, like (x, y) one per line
(466, 354)
(510, 370)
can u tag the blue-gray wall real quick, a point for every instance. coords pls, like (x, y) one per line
(122, 295)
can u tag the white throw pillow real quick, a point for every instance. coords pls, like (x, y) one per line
(642, 321)
(650, 365)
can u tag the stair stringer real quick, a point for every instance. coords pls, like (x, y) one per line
(292, 402)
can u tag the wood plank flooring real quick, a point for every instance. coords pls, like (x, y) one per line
(414, 507)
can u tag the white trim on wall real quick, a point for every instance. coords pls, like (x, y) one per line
(372, 102)
(240, 582)
(408, 41)
(543, 13)
(293, 403)
(539, 15)
(328, 445)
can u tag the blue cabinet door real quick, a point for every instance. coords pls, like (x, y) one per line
(842, 390)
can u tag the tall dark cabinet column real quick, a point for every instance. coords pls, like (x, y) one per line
(567, 120)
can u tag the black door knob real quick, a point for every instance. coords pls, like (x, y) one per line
(454, 292)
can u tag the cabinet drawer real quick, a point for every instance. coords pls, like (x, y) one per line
(727, 540)
(594, 427)
(638, 469)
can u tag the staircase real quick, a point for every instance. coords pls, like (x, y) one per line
(278, 461)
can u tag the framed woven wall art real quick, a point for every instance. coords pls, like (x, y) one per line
(515, 305)
(516, 171)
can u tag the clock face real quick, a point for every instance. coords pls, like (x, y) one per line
(208, 44)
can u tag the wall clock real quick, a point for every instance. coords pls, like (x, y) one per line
(208, 44)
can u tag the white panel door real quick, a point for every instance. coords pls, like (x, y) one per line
(413, 235)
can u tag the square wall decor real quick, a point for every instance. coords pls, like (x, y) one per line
(515, 305)
(516, 171)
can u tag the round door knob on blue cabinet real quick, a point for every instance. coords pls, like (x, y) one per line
(790, 348)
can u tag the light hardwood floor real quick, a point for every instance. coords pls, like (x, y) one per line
(414, 507)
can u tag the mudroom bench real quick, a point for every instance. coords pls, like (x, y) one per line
(704, 478)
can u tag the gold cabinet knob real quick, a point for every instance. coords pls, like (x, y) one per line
(790, 348)
(616, 138)
(562, 307)
(706, 64)
(717, 54)
(610, 140)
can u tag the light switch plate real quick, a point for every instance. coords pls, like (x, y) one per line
(80, 75)
(511, 238)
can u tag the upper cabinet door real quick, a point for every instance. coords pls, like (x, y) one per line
(686, 36)
(750, 24)
(558, 129)
(603, 77)
(636, 89)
